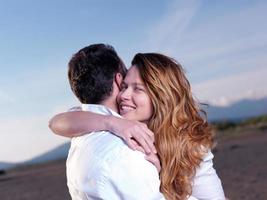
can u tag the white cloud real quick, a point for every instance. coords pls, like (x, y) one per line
(227, 90)
(34, 123)
(6, 98)
(170, 27)
(26, 137)
(39, 94)
(230, 46)
(219, 38)
(226, 49)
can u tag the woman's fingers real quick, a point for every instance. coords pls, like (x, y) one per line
(143, 143)
(134, 145)
(153, 158)
(149, 133)
(144, 137)
(150, 140)
(138, 131)
(139, 148)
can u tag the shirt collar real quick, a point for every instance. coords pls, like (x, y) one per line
(100, 109)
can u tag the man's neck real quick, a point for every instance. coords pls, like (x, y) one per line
(110, 104)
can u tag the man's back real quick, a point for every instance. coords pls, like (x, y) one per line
(101, 166)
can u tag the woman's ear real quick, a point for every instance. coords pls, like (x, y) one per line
(118, 79)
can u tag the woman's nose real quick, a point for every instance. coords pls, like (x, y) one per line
(126, 94)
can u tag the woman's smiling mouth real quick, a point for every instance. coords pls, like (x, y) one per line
(124, 108)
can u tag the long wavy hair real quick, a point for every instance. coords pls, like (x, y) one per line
(182, 134)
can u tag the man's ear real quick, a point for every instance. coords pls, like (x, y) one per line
(118, 79)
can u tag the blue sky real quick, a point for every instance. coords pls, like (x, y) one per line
(221, 44)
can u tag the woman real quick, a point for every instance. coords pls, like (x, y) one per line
(156, 92)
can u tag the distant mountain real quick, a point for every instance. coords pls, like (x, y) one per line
(54, 154)
(237, 111)
(5, 165)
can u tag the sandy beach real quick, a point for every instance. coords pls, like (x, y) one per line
(241, 162)
(242, 165)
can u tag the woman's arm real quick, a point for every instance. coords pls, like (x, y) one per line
(206, 183)
(77, 123)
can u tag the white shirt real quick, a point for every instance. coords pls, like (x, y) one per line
(206, 184)
(101, 166)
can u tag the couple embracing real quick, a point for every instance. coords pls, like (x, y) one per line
(139, 135)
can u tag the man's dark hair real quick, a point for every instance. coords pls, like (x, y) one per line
(92, 71)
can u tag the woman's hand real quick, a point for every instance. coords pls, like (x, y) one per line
(135, 134)
(154, 159)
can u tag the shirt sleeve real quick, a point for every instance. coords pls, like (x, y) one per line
(206, 184)
(132, 178)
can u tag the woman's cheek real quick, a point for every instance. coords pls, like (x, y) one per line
(118, 98)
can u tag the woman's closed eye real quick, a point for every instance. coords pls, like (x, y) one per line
(124, 86)
(139, 89)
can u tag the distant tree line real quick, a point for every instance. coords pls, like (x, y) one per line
(260, 122)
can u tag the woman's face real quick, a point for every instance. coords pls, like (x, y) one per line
(134, 102)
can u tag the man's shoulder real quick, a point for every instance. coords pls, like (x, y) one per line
(90, 153)
(107, 146)
(130, 162)
(102, 144)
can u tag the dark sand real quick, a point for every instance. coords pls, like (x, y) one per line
(40, 182)
(240, 162)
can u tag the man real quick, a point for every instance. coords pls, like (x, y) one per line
(100, 165)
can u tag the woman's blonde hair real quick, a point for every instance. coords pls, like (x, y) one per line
(182, 135)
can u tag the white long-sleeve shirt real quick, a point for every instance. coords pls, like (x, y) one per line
(206, 184)
(101, 166)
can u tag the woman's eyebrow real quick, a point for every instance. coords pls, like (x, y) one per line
(132, 83)
(139, 84)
